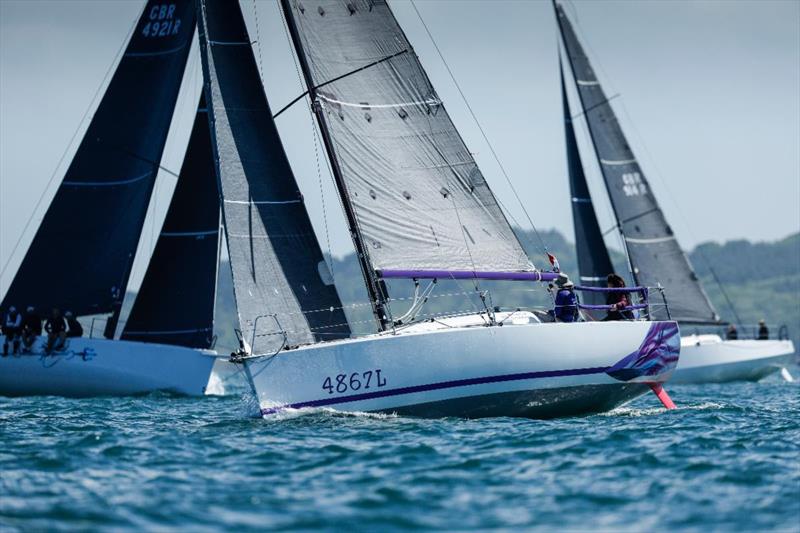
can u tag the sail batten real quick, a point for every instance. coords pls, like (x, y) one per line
(653, 251)
(81, 256)
(417, 198)
(279, 283)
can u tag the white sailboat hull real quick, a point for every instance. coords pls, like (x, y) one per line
(100, 367)
(524, 370)
(709, 359)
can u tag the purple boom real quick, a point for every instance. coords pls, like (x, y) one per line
(467, 274)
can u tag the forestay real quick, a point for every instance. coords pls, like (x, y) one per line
(419, 199)
(654, 252)
(81, 256)
(281, 281)
(594, 263)
(175, 304)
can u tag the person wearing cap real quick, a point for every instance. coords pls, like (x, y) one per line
(566, 301)
(31, 328)
(12, 328)
(732, 334)
(75, 328)
(763, 330)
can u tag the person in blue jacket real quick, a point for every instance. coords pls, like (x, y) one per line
(566, 301)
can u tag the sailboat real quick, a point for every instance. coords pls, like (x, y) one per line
(81, 256)
(654, 255)
(418, 210)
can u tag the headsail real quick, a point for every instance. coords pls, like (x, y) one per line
(653, 251)
(81, 256)
(281, 280)
(420, 201)
(594, 263)
(175, 304)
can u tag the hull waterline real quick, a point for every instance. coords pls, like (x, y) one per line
(709, 359)
(520, 369)
(99, 367)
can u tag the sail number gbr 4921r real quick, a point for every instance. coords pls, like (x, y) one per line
(162, 21)
(356, 381)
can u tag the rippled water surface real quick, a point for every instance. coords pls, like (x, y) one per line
(728, 458)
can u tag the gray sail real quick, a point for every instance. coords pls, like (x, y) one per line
(281, 281)
(654, 252)
(594, 263)
(81, 256)
(175, 304)
(419, 199)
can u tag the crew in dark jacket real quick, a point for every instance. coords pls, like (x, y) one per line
(733, 334)
(763, 330)
(566, 301)
(75, 328)
(56, 329)
(618, 300)
(31, 328)
(12, 329)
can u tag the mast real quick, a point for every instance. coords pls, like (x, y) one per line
(376, 289)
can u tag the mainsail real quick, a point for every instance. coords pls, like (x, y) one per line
(594, 263)
(175, 304)
(654, 253)
(281, 281)
(418, 199)
(81, 256)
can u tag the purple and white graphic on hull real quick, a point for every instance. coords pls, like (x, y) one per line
(658, 354)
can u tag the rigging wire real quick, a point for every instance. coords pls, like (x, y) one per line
(102, 84)
(480, 128)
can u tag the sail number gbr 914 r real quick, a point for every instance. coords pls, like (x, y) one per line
(162, 21)
(356, 381)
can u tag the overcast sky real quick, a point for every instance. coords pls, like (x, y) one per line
(710, 101)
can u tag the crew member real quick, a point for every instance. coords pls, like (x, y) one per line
(763, 330)
(12, 329)
(618, 300)
(75, 328)
(732, 334)
(566, 301)
(56, 329)
(31, 328)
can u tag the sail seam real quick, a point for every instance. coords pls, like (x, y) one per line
(188, 233)
(431, 102)
(159, 53)
(167, 332)
(650, 241)
(259, 202)
(619, 162)
(107, 183)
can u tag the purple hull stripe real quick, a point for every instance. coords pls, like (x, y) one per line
(467, 274)
(438, 386)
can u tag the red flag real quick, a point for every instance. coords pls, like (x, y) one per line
(554, 262)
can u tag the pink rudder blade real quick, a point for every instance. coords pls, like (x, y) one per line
(662, 395)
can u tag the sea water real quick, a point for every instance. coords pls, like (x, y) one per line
(727, 459)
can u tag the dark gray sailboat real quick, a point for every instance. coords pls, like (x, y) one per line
(81, 257)
(653, 252)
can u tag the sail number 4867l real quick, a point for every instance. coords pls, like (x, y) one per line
(353, 382)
